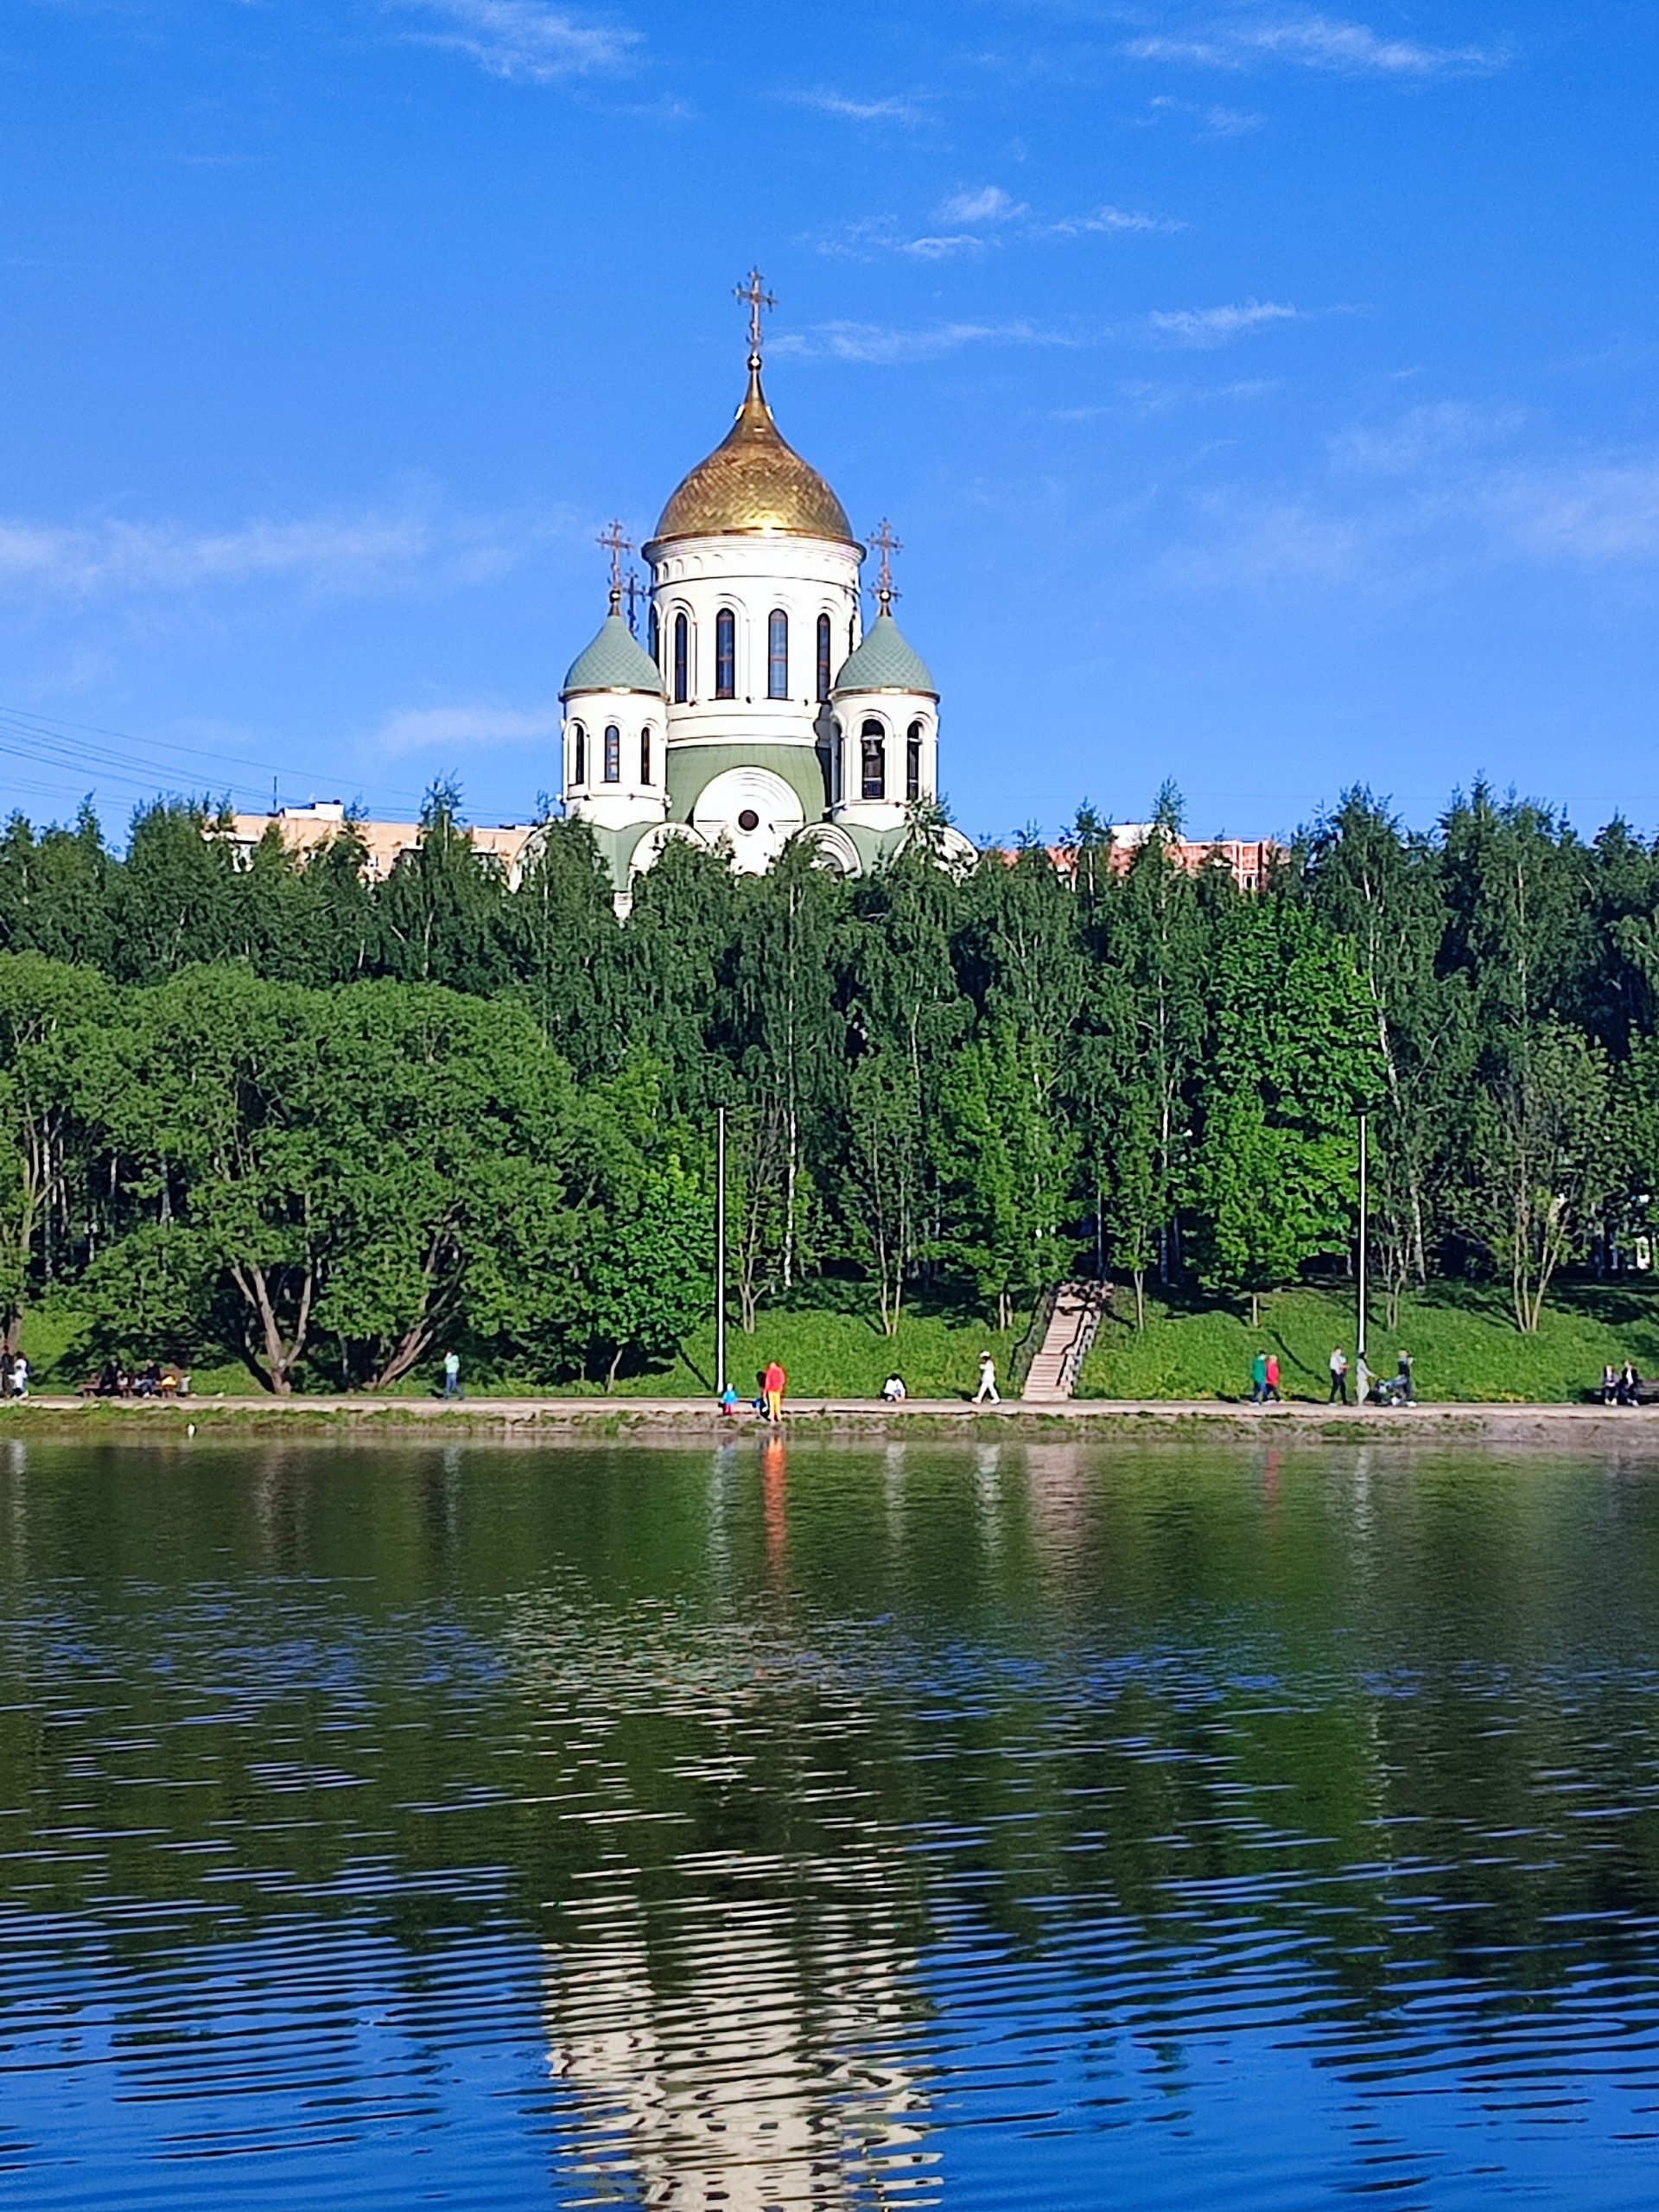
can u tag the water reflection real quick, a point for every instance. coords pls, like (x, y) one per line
(780, 1826)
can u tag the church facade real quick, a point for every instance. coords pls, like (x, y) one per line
(758, 709)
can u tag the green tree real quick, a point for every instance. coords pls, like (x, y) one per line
(788, 1037)
(1543, 1160)
(1005, 1162)
(443, 909)
(886, 1168)
(1292, 1061)
(1381, 890)
(649, 1277)
(50, 1016)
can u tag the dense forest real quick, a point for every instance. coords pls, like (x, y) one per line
(334, 1125)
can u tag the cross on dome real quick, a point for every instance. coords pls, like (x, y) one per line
(616, 545)
(882, 537)
(753, 290)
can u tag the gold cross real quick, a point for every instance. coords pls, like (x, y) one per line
(616, 545)
(753, 289)
(882, 536)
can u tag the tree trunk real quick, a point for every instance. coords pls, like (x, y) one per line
(282, 1355)
(1140, 1298)
(1256, 1309)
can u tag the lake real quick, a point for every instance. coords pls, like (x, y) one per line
(1056, 1825)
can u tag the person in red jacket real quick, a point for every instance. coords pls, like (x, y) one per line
(773, 1383)
(1273, 1375)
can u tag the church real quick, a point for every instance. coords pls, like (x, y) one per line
(759, 708)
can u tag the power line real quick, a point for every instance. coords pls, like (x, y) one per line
(66, 745)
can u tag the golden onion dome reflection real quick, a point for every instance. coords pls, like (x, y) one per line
(753, 484)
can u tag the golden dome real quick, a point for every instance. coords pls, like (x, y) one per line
(753, 485)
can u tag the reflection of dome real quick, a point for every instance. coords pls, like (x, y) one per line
(753, 485)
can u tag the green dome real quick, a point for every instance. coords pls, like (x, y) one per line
(615, 661)
(884, 663)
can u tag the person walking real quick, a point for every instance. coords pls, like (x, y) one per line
(451, 1375)
(986, 1381)
(774, 1383)
(1338, 1376)
(1258, 1379)
(1403, 1379)
(1273, 1376)
(19, 1375)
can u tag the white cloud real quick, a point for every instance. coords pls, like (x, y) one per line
(853, 109)
(939, 249)
(1596, 513)
(986, 203)
(524, 40)
(1431, 509)
(415, 729)
(1218, 122)
(1110, 219)
(1219, 325)
(878, 234)
(1317, 43)
(872, 343)
(1423, 435)
(331, 553)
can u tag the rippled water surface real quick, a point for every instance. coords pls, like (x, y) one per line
(1046, 1825)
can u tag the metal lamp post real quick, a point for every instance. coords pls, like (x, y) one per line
(720, 1251)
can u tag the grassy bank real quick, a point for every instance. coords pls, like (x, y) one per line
(826, 1355)
(1465, 1346)
(1462, 1341)
(838, 1356)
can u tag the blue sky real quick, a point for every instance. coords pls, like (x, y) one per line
(1265, 397)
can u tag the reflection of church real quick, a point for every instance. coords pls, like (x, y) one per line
(763, 711)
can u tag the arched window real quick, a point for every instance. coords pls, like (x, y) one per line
(656, 637)
(852, 633)
(725, 654)
(644, 754)
(681, 660)
(824, 658)
(874, 780)
(613, 754)
(834, 764)
(778, 654)
(913, 762)
(578, 754)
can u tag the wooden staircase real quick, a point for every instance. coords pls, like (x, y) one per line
(1079, 1308)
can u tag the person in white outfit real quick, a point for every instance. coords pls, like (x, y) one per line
(986, 1381)
(19, 1376)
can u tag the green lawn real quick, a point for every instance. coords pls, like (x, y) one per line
(840, 1356)
(824, 1354)
(1463, 1345)
(1461, 1338)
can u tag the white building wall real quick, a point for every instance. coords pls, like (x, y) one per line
(898, 713)
(804, 576)
(631, 796)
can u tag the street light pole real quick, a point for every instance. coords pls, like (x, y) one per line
(1364, 1225)
(720, 1251)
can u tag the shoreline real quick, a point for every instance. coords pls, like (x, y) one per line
(670, 1418)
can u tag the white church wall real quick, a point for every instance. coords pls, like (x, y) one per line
(750, 577)
(613, 802)
(896, 714)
